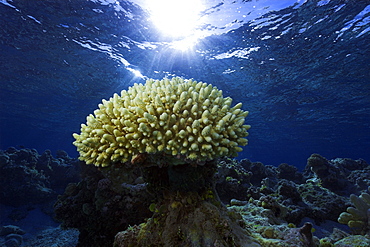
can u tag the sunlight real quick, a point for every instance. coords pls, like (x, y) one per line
(176, 18)
(184, 44)
(135, 72)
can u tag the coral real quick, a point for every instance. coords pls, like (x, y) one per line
(353, 241)
(286, 185)
(325, 242)
(184, 118)
(184, 208)
(358, 217)
(271, 232)
(188, 211)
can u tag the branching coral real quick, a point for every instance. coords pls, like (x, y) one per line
(177, 117)
(172, 130)
(358, 217)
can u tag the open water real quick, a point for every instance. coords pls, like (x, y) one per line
(302, 68)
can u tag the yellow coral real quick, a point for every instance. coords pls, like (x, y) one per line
(178, 117)
(358, 217)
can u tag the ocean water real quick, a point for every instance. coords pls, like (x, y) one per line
(302, 68)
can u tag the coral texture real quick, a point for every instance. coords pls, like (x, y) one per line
(188, 211)
(270, 202)
(183, 118)
(358, 217)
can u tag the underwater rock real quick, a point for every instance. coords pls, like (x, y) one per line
(322, 204)
(271, 231)
(302, 194)
(22, 185)
(301, 237)
(361, 177)
(288, 190)
(328, 174)
(188, 211)
(335, 174)
(232, 180)
(13, 240)
(12, 235)
(355, 240)
(100, 207)
(290, 173)
(27, 177)
(53, 237)
(12, 243)
(4, 159)
(258, 169)
(270, 207)
(10, 229)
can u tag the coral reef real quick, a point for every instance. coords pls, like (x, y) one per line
(176, 117)
(29, 184)
(335, 174)
(103, 203)
(187, 212)
(268, 206)
(172, 131)
(269, 229)
(232, 180)
(353, 241)
(27, 177)
(279, 198)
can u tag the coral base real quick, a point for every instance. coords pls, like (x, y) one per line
(188, 211)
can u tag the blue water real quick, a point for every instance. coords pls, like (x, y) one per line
(302, 69)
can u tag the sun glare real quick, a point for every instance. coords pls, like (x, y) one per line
(184, 44)
(135, 72)
(176, 18)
